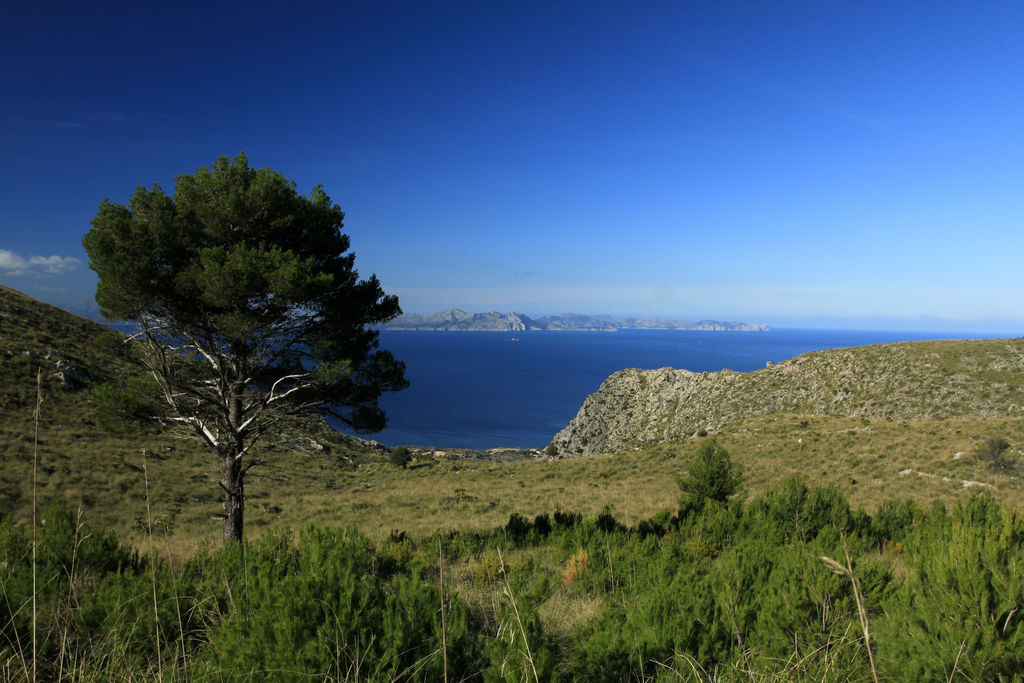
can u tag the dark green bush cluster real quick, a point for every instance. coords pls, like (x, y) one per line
(730, 588)
(123, 405)
(994, 451)
(399, 456)
(327, 605)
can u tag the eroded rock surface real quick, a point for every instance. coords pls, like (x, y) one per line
(912, 380)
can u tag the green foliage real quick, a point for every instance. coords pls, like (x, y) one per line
(326, 607)
(249, 308)
(111, 343)
(993, 451)
(489, 569)
(517, 528)
(122, 406)
(958, 609)
(238, 265)
(399, 456)
(734, 590)
(794, 511)
(893, 520)
(69, 557)
(237, 262)
(711, 476)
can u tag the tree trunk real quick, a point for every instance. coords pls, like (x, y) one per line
(234, 496)
(234, 491)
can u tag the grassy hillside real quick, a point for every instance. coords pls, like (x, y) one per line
(106, 473)
(324, 479)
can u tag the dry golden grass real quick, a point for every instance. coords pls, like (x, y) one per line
(869, 460)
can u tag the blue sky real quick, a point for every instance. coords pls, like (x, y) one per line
(822, 164)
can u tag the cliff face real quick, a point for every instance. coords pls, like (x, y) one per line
(912, 380)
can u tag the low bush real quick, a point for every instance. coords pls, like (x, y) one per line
(400, 456)
(734, 590)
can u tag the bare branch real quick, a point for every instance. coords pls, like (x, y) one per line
(199, 427)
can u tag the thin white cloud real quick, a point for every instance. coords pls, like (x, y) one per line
(112, 117)
(17, 265)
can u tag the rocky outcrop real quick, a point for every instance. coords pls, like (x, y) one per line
(69, 374)
(912, 380)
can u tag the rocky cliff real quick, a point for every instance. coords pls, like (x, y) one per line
(912, 380)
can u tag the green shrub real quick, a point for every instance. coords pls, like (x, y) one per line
(517, 528)
(74, 567)
(567, 519)
(399, 456)
(326, 608)
(958, 608)
(122, 406)
(734, 590)
(893, 520)
(795, 511)
(488, 571)
(711, 475)
(993, 451)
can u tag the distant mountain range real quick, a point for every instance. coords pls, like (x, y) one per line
(455, 319)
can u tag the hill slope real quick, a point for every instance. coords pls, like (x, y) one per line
(905, 381)
(323, 477)
(107, 473)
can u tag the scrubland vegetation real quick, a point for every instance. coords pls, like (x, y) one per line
(762, 589)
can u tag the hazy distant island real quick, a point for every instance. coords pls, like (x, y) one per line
(453, 319)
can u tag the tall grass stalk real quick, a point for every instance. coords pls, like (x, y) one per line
(956, 664)
(444, 631)
(698, 671)
(13, 639)
(152, 572)
(177, 609)
(858, 596)
(35, 468)
(519, 621)
(71, 592)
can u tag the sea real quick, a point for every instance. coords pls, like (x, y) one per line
(481, 390)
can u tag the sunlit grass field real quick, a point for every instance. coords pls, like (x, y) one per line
(869, 460)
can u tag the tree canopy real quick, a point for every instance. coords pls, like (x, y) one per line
(249, 307)
(711, 475)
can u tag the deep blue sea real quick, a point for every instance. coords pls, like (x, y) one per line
(489, 389)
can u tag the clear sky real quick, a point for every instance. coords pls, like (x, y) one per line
(791, 163)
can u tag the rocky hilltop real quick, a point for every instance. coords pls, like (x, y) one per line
(455, 319)
(911, 380)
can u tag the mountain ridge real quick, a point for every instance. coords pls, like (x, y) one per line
(454, 319)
